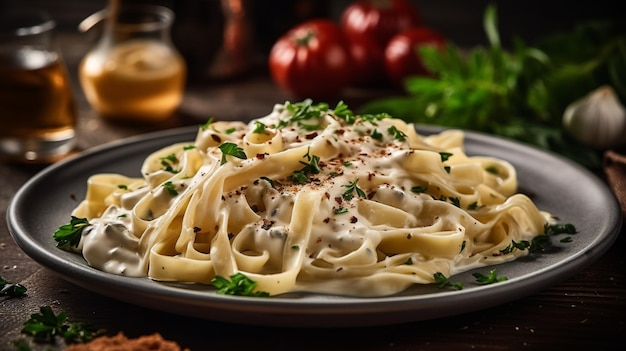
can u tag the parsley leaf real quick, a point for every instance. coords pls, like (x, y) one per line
(46, 325)
(352, 187)
(170, 188)
(68, 235)
(260, 128)
(490, 278)
(396, 133)
(168, 163)
(443, 282)
(231, 149)
(310, 167)
(238, 284)
(11, 289)
(205, 125)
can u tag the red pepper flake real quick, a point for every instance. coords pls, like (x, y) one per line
(340, 131)
(319, 240)
(260, 156)
(339, 200)
(311, 135)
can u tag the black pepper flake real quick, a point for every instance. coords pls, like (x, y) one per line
(409, 236)
(353, 219)
(216, 138)
(339, 269)
(196, 229)
(326, 220)
(267, 224)
(311, 135)
(260, 156)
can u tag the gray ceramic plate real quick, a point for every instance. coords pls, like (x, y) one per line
(561, 187)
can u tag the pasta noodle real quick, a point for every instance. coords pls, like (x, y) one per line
(309, 199)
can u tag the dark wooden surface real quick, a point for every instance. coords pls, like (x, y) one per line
(585, 311)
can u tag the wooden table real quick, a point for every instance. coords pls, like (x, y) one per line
(585, 311)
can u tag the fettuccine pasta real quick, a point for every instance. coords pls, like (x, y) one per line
(309, 199)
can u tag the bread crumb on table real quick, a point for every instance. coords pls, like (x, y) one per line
(119, 342)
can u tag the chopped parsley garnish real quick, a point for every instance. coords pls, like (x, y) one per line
(352, 187)
(230, 130)
(168, 163)
(170, 188)
(342, 111)
(303, 110)
(493, 170)
(189, 147)
(340, 210)
(455, 201)
(68, 235)
(490, 278)
(419, 189)
(205, 125)
(231, 149)
(376, 135)
(347, 164)
(445, 156)
(521, 245)
(238, 284)
(11, 289)
(443, 282)
(310, 167)
(122, 186)
(553, 229)
(46, 326)
(373, 118)
(260, 128)
(396, 133)
(472, 206)
(542, 243)
(447, 169)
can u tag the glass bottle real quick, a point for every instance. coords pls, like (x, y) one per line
(134, 72)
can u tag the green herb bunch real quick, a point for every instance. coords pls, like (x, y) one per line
(519, 93)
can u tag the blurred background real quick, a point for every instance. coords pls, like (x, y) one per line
(460, 21)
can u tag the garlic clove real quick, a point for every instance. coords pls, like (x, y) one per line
(597, 120)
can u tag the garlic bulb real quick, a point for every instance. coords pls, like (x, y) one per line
(597, 120)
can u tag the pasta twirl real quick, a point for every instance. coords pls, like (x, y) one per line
(309, 199)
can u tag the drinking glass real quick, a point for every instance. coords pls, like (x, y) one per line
(37, 109)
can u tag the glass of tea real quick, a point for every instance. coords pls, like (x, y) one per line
(37, 110)
(133, 72)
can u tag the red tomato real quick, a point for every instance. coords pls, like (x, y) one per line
(312, 60)
(378, 19)
(368, 61)
(402, 58)
(369, 24)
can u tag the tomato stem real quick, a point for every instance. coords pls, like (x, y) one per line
(305, 38)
